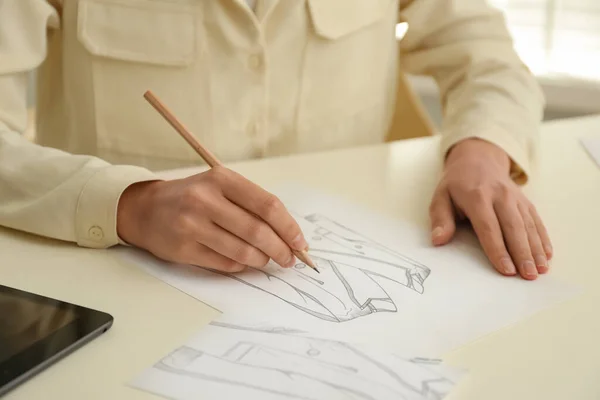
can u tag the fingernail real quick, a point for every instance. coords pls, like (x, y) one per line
(542, 264)
(299, 243)
(529, 268)
(508, 267)
(290, 262)
(548, 249)
(540, 261)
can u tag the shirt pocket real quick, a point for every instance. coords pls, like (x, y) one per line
(348, 74)
(138, 45)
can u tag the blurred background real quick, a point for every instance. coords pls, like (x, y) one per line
(560, 42)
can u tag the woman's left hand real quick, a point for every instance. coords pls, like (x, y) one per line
(476, 185)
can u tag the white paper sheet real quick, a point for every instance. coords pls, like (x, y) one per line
(371, 288)
(228, 362)
(592, 146)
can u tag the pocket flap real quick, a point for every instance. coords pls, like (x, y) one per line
(333, 19)
(140, 31)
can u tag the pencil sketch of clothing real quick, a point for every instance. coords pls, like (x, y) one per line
(312, 369)
(352, 271)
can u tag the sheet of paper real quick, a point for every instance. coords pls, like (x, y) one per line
(381, 282)
(230, 362)
(592, 146)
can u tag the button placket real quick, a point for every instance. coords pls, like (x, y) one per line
(256, 126)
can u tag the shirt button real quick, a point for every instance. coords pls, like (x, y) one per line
(96, 233)
(255, 61)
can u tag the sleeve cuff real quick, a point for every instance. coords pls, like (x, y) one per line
(96, 215)
(520, 166)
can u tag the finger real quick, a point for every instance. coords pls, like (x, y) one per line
(488, 231)
(441, 213)
(202, 256)
(541, 228)
(232, 247)
(515, 236)
(265, 205)
(535, 242)
(253, 231)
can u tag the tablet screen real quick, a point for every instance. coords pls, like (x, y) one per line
(25, 321)
(37, 331)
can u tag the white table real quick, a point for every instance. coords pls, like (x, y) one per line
(554, 355)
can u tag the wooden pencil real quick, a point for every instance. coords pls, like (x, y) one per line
(206, 155)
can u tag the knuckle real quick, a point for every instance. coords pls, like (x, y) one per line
(530, 225)
(244, 254)
(191, 194)
(186, 223)
(486, 228)
(521, 256)
(218, 174)
(500, 254)
(198, 197)
(290, 229)
(520, 252)
(478, 194)
(238, 268)
(293, 231)
(271, 206)
(263, 262)
(531, 208)
(510, 225)
(504, 191)
(282, 255)
(232, 266)
(255, 231)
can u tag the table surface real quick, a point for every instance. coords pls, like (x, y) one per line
(552, 355)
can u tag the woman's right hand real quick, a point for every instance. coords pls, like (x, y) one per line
(217, 219)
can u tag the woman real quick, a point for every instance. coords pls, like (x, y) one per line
(252, 79)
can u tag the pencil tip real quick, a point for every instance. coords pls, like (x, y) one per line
(316, 269)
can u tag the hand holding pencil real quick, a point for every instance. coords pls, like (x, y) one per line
(216, 219)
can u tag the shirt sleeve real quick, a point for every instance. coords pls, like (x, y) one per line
(486, 90)
(46, 191)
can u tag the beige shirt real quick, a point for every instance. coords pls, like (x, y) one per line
(291, 76)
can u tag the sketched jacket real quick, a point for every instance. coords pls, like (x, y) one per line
(272, 366)
(353, 269)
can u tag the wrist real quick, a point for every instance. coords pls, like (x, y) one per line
(478, 150)
(134, 207)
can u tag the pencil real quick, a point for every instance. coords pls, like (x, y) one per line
(206, 155)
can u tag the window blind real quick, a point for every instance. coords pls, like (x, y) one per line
(556, 37)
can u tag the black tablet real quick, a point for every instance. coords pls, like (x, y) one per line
(36, 331)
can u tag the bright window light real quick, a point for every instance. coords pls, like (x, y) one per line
(556, 37)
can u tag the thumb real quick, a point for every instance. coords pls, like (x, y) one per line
(441, 213)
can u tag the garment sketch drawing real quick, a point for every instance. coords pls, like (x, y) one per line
(368, 291)
(352, 271)
(258, 364)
